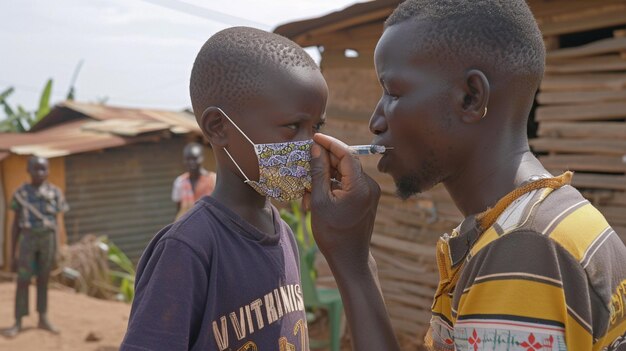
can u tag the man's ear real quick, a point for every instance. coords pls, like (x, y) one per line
(213, 126)
(476, 96)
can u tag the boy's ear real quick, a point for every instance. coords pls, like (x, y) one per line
(213, 126)
(476, 96)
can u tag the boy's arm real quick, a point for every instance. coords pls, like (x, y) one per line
(342, 223)
(170, 294)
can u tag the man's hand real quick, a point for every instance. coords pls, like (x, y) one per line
(343, 204)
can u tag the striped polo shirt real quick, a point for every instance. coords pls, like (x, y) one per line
(548, 274)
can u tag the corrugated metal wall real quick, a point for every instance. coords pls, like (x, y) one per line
(123, 193)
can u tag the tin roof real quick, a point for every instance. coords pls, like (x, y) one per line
(73, 127)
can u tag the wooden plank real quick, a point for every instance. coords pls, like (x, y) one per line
(606, 63)
(600, 47)
(337, 59)
(402, 246)
(310, 38)
(590, 112)
(415, 289)
(583, 146)
(580, 97)
(606, 197)
(546, 9)
(592, 130)
(408, 300)
(584, 82)
(596, 163)
(599, 181)
(615, 215)
(369, 32)
(390, 258)
(427, 279)
(597, 16)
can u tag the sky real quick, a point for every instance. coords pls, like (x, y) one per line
(135, 53)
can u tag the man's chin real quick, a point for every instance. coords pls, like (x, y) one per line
(411, 185)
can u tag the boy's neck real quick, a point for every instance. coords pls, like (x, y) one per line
(240, 198)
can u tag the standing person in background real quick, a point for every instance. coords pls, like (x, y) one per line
(197, 182)
(37, 205)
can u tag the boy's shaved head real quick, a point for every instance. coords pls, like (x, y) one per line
(232, 66)
(501, 33)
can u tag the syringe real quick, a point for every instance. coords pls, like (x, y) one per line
(368, 149)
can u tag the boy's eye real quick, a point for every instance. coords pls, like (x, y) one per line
(318, 127)
(292, 126)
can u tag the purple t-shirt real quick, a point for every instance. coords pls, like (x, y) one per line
(212, 281)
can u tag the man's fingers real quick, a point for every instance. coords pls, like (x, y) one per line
(343, 160)
(320, 172)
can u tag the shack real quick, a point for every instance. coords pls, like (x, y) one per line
(116, 166)
(578, 123)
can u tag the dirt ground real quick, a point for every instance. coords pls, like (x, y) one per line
(74, 314)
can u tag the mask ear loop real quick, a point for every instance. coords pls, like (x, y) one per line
(228, 153)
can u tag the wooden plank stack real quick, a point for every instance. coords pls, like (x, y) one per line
(582, 122)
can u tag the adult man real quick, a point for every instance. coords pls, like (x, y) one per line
(533, 265)
(197, 182)
(36, 205)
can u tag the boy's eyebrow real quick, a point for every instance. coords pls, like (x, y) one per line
(306, 116)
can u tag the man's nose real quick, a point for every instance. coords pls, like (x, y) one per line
(378, 123)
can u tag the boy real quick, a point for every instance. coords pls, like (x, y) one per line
(225, 276)
(534, 266)
(197, 182)
(36, 205)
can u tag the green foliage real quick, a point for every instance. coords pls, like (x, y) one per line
(44, 102)
(18, 119)
(300, 223)
(124, 276)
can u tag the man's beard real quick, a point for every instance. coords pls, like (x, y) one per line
(417, 182)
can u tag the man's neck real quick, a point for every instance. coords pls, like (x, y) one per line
(488, 179)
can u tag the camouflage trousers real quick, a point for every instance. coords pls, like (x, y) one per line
(37, 249)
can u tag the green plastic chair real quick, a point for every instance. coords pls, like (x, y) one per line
(324, 298)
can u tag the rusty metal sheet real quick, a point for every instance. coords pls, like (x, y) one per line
(74, 127)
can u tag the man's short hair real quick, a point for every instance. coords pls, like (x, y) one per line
(501, 33)
(231, 66)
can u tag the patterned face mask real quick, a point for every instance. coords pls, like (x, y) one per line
(284, 168)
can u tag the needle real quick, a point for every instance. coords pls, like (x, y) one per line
(368, 149)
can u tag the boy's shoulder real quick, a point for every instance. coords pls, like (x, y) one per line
(196, 227)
